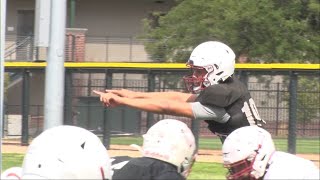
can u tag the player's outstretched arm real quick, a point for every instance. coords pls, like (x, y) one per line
(178, 96)
(160, 106)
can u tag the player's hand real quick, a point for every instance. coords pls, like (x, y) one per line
(122, 92)
(108, 99)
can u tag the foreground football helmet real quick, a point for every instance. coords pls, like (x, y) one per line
(211, 62)
(246, 152)
(171, 141)
(66, 152)
(12, 173)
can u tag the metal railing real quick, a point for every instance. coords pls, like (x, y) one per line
(274, 100)
(92, 49)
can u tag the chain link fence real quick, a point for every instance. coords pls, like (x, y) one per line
(288, 101)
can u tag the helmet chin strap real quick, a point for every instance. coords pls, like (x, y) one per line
(206, 83)
(197, 90)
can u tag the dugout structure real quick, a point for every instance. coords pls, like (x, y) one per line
(286, 95)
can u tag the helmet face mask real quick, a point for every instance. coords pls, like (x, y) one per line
(240, 169)
(216, 58)
(196, 81)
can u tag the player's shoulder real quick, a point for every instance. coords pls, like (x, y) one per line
(284, 160)
(288, 166)
(217, 88)
(118, 159)
(225, 88)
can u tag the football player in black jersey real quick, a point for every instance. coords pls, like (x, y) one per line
(217, 96)
(168, 152)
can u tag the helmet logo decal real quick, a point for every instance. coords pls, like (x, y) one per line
(156, 155)
(209, 68)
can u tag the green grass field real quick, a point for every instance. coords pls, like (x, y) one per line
(11, 160)
(304, 145)
(200, 170)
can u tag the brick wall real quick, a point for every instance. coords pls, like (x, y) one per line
(75, 44)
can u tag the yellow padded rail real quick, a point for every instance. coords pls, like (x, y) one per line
(158, 65)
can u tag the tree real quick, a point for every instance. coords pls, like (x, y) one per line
(264, 30)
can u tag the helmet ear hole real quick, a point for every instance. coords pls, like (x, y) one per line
(184, 165)
(181, 169)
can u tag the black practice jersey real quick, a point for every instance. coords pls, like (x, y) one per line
(124, 167)
(234, 96)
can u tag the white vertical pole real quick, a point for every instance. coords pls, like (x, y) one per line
(2, 44)
(54, 81)
(42, 23)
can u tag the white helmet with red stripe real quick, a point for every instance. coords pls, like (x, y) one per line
(215, 59)
(171, 141)
(247, 151)
(11, 173)
(66, 152)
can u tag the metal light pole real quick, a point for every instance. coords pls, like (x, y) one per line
(54, 82)
(2, 44)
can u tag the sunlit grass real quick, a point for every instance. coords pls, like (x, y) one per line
(303, 145)
(11, 160)
(200, 170)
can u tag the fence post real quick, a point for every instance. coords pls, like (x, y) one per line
(25, 107)
(106, 121)
(277, 108)
(292, 112)
(151, 88)
(244, 77)
(68, 97)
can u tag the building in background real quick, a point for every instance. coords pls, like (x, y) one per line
(97, 31)
(103, 30)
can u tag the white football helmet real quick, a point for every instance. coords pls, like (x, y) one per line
(247, 151)
(66, 152)
(12, 173)
(216, 61)
(171, 141)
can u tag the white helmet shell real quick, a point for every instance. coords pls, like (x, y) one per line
(12, 173)
(217, 58)
(66, 152)
(247, 144)
(171, 141)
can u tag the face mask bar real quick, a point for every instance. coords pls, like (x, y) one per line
(239, 170)
(194, 81)
(193, 84)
